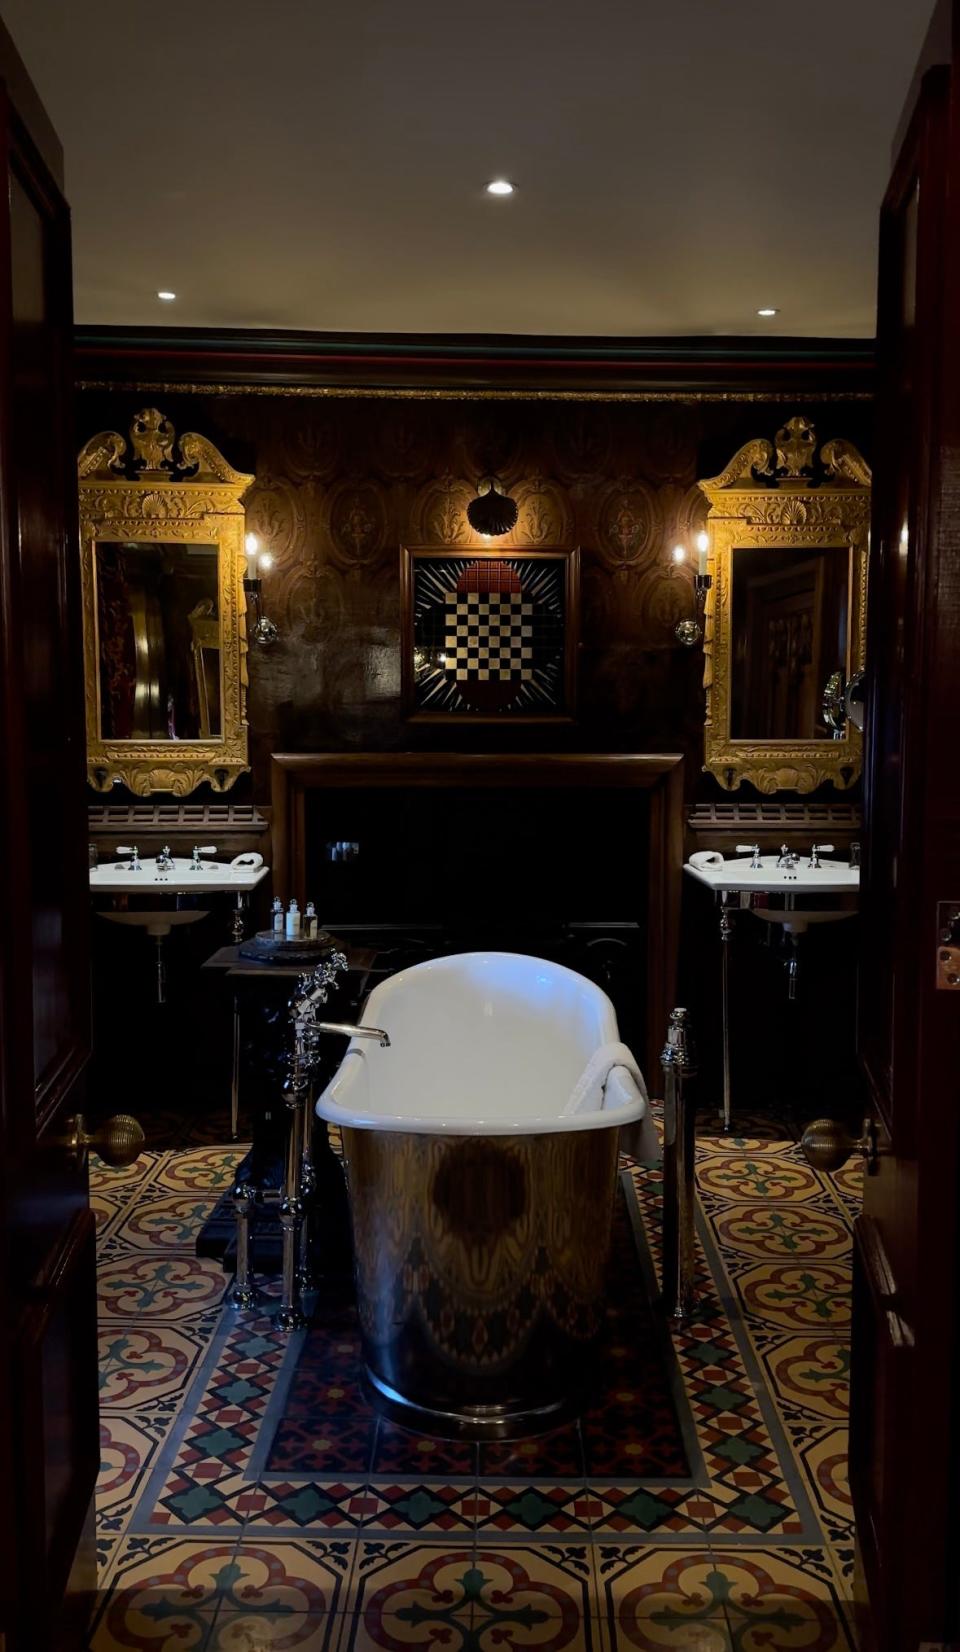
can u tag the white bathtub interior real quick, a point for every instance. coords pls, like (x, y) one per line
(481, 1043)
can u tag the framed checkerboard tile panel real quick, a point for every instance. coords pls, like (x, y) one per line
(489, 635)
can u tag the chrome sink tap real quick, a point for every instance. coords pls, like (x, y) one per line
(816, 850)
(347, 1030)
(788, 860)
(133, 856)
(208, 849)
(752, 849)
(165, 859)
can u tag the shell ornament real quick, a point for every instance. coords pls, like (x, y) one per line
(493, 512)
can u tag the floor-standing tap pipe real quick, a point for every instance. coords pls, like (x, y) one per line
(678, 1061)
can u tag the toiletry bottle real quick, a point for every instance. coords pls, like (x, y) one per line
(277, 918)
(293, 921)
(310, 921)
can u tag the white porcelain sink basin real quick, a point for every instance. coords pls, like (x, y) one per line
(157, 923)
(117, 879)
(788, 896)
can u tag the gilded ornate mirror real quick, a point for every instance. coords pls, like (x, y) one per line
(786, 613)
(162, 565)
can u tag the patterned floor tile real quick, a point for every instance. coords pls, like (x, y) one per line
(775, 1598)
(160, 1594)
(811, 1373)
(823, 1453)
(275, 1632)
(199, 1170)
(168, 1220)
(171, 1286)
(143, 1365)
(474, 1597)
(299, 1578)
(779, 1231)
(751, 1177)
(119, 1183)
(807, 1295)
(128, 1446)
(657, 1598)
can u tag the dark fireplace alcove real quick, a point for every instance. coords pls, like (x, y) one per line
(567, 856)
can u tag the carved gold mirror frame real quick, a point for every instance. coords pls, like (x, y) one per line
(783, 495)
(178, 493)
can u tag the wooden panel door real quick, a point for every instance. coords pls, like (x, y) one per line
(49, 1443)
(904, 1457)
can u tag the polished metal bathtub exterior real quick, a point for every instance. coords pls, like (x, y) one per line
(481, 1265)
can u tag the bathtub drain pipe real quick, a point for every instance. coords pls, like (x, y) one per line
(678, 1061)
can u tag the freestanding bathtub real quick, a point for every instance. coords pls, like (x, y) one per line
(481, 1209)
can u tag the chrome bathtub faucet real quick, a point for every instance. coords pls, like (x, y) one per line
(347, 1030)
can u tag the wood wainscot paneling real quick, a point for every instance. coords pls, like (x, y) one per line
(659, 778)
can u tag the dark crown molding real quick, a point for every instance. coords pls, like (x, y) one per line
(471, 363)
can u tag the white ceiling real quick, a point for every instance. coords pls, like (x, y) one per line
(320, 163)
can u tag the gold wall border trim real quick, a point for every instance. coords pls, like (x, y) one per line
(369, 392)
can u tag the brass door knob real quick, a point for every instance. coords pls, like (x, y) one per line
(117, 1141)
(827, 1145)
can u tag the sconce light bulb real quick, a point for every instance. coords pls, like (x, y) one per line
(703, 540)
(679, 553)
(266, 561)
(251, 544)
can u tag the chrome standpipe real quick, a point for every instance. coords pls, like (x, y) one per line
(298, 1176)
(678, 1062)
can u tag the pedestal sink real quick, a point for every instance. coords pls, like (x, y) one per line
(814, 891)
(162, 887)
(795, 897)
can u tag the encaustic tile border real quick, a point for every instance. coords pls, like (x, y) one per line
(210, 1475)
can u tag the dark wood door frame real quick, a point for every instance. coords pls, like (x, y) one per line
(294, 775)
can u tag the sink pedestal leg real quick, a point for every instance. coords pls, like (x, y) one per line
(244, 1293)
(239, 921)
(726, 935)
(235, 1071)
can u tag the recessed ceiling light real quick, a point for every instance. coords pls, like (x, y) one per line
(500, 186)
(168, 298)
(768, 311)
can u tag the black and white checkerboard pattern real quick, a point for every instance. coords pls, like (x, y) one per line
(488, 637)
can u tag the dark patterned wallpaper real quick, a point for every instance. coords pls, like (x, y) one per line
(341, 484)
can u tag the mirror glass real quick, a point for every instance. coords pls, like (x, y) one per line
(790, 629)
(158, 635)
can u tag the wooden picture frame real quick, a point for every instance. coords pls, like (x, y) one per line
(518, 669)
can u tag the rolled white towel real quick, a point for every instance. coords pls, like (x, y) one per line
(705, 857)
(587, 1094)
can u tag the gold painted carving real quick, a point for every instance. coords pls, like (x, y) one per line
(783, 494)
(172, 493)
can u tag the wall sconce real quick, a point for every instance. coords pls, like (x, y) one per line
(689, 631)
(263, 630)
(493, 512)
